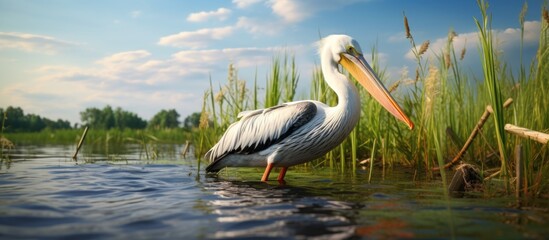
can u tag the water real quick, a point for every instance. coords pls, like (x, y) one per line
(45, 194)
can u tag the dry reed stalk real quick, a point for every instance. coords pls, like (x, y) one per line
(424, 47)
(80, 142)
(527, 133)
(186, 149)
(474, 133)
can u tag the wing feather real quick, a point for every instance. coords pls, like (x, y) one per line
(259, 129)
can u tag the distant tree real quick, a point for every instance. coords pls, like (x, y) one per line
(17, 121)
(108, 118)
(35, 122)
(59, 124)
(192, 121)
(91, 117)
(124, 119)
(165, 119)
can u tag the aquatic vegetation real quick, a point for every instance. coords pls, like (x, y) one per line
(443, 100)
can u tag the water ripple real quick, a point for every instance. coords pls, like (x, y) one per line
(49, 196)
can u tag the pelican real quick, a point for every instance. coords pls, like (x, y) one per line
(297, 132)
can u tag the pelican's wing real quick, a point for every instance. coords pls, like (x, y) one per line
(259, 129)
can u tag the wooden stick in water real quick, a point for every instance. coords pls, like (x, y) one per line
(527, 133)
(474, 133)
(186, 149)
(80, 143)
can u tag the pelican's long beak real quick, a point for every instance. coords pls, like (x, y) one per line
(363, 73)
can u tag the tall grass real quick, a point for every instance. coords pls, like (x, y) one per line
(113, 136)
(443, 100)
(489, 65)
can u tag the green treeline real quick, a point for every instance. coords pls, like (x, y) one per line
(15, 120)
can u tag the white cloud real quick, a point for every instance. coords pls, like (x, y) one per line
(135, 14)
(241, 57)
(296, 11)
(505, 40)
(259, 27)
(124, 57)
(245, 3)
(134, 80)
(291, 11)
(32, 42)
(196, 39)
(221, 14)
(137, 67)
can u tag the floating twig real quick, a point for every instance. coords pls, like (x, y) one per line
(80, 143)
(474, 133)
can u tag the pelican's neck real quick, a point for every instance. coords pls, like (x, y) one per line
(348, 99)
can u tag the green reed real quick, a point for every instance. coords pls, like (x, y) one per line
(443, 100)
(493, 84)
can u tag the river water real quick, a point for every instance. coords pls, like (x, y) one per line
(120, 194)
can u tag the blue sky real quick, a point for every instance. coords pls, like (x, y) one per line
(59, 57)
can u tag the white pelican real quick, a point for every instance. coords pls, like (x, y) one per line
(297, 132)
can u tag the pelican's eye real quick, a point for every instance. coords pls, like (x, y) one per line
(351, 50)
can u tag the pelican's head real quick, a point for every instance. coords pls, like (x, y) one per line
(345, 51)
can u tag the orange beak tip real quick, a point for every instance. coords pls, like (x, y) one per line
(411, 125)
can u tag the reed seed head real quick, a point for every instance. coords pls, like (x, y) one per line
(523, 12)
(394, 86)
(231, 73)
(424, 47)
(407, 27)
(451, 35)
(447, 60)
(431, 91)
(417, 74)
(463, 50)
(220, 96)
(203, 120)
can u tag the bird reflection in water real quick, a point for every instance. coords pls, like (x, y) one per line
(255, 209)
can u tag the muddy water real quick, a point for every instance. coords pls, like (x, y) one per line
(120, 194)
